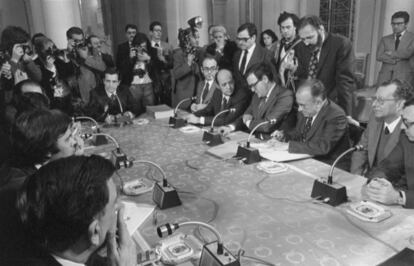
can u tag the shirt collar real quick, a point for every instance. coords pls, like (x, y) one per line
(110, 94)
(316, 115)
(391, 126)
(154, 42)
(251, 49)
(402, 33)
(65, 262)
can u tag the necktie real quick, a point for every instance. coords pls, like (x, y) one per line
(157, 45)
(262, 102)
(313, 64)
(223, 104)
(306, 129)
(397, 41)
(204, 92)
(243, 63)
(386, 131)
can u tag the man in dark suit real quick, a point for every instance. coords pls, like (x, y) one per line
(97, 60)
(111, 100)
(249, 53)
(70, 222)
(328, 57)
(384, 126)
(322, 128)
(270, 102)
(224, 98)
(392, 181)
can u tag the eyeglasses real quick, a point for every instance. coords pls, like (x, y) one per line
(380, 100)
(397, 23)
(253, 86)
(209, 69)
(242, 39)
(406, 123)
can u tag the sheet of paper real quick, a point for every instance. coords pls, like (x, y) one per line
(136, 214)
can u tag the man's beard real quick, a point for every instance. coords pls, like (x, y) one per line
(318, 44)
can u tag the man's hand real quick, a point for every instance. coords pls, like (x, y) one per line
(6, 70)
(129, 114)
(195, 107)
(19, 76)
(279, 135)
(121, 251)
(109, 119)
(247, 119)
(381, 190)
(192, 119)
(132, 53)
(190, 59)
(224, 130)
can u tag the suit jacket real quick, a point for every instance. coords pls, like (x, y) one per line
(99, 102)
(400, 64)
(398, 168)
(239, 100)
(362, 160)
(214, 86)
(335, 68)
(327, 138)
(277, 106)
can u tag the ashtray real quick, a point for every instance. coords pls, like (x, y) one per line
(369, 211)
(272, 167)
(179, 248)
(137, 187)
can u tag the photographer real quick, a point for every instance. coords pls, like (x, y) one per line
(97, 60)
(186, 71)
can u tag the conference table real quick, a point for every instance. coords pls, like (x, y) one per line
(270, 216)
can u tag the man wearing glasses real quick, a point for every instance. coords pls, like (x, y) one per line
(384, 126)
(392, 181)
(395, 51)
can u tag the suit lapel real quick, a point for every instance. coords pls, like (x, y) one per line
(318, 120)
(269, 101)
(373, 141)
(252, 59)
(395, 136)
(211, 91)
(324, 53)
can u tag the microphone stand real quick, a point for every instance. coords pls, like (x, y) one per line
(99, 139)
(329, 192)
(176, 122)
(213, 138)
(251, 155)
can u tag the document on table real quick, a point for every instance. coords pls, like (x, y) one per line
(136, 214)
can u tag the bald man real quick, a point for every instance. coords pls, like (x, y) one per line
(226, 97)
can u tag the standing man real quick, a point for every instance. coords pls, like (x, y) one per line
(396, 51)
(161, 52)
(124, 51)
(329, 58)
(384, 126)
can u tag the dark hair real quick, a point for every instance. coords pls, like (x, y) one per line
(88, 40)
(269, 32)
(58, 203)
(18, 88)
(401, 14)
(409, 102)
(35, 38)
(317, 89)
(12, 35)
(250, 27)
(285, 15)
(112, 71)
(153, 24)
(260, 70)
(73, 30)
(130, 26)
(30, 101)
(184, 37)
(139, 39)
(314, 21)
(404, 90)
(35, 134)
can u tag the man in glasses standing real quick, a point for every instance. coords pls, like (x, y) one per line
(395, 51)
(392, 181)
(384, 126)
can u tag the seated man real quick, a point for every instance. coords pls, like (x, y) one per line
(207, 87)
(322, 128)
(384, 126)
(270, 102)
(70, 210)
(111, 100)
(392, 181)
(226, 97)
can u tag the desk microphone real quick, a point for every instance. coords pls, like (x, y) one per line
(176, 122)
(99, 139)
(118, 158)
(213, 138)
(213, 254)
(164, 195)
(251, 155)
(329, 192)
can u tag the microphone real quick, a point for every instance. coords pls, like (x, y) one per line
(164, 195)
(213, 254)
(251, 155)
(327, 191)
(176, 122)
(118, 157)
(212, 138)
(97, 140)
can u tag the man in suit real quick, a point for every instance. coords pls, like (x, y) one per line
(161, 52)
(322, 128)
(205, 88)
(329, 58)
(270, 102)
(249, 53)
(81, 214)
(384, 126)
(396, 51)
(97, 60)
(224, 98)
(392, 181)
(110, 101)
